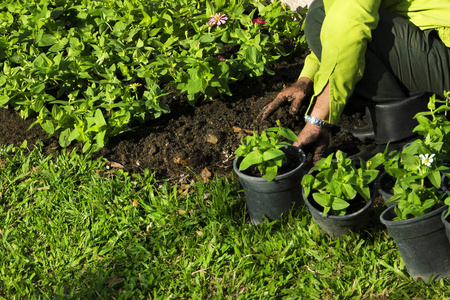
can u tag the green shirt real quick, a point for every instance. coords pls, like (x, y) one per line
(345, 33)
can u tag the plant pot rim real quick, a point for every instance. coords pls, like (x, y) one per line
(386, 221)
(310, 206)
(444, 220)
(278, 177)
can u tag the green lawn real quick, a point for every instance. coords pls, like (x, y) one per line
(72, 228)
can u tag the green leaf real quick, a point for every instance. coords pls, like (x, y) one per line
(64, 138)
(271, 172)
(99, 119)
(307, 182)
(210, 9)
(428, 204)
(377, 160)
(273, 154)
(263, 145)
(348, 191)
(37, 89)
(74, 134)
(365, 192)
(86, 146)
(253, 158)
(48, 127)
(100, 138)
(219, 4)
(370, 175)
(289, 134)
(225, 37)
(335, 188)
(47, 40)
(252, 55)
(59, 45)
(435, 178)
(339, 204)
(206, 38)
(322, 199)
(4, 100)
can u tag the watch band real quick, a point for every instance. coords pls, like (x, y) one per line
(316, 121)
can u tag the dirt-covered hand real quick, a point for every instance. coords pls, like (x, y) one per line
(294, 94)
(315, 139)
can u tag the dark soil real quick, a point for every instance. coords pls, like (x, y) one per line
(201, 140)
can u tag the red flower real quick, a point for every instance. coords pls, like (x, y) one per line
(259, 21)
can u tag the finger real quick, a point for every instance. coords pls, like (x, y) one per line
(262, 115)
(270, 108)
(295, 106)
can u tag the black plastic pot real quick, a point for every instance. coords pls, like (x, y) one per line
(273, 199)
(445, 184)
(337, 226)
(382, 190)
(446, 223)
(422, 244)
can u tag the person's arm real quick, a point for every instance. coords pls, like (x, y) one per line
(310, 67)
(314, 135)
(297, 92)
(345, 33)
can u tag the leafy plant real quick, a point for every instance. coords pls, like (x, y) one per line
(263, 150)
(334, 182)
(87, 70)
(419, 167)
(418, 173)
(337, 181)
(434, 126)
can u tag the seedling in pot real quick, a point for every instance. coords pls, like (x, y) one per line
(418, 172)
(264, 150)
(419, 167)
(335, 182)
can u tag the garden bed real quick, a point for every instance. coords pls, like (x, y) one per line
(191, 141)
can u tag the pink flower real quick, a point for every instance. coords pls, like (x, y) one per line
(218, 19)
(259, 21)
(225, 60)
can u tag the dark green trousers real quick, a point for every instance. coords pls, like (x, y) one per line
(400, 59)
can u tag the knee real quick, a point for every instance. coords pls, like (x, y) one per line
(313, 24)
(314, 17)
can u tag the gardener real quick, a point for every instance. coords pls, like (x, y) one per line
(374, 53)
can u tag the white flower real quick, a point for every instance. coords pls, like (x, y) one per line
(218, 19)
(427, 159)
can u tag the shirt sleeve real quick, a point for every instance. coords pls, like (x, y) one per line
(311, 66)
(346, 30)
